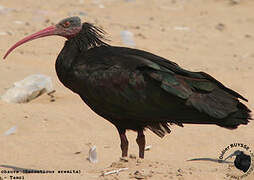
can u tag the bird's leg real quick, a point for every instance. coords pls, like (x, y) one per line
(141, 141)
(124, 142)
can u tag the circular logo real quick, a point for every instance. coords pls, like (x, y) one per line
(242, 157)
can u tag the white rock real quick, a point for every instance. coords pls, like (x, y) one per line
(181, 28)
(10, 131)
(127, 38)
(114, 171)
(28, 89)
(147, 148)
(93, 155)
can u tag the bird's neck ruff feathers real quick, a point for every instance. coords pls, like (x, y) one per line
(90, 36)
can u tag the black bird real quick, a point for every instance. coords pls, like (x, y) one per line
(135, 89)
(242, 160)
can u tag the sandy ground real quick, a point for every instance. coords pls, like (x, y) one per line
(214, 36)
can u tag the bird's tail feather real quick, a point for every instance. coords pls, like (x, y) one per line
(242, 116)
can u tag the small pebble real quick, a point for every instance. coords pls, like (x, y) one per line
(220, 27)
(139, 175)
(247, 36)
(127, 38)
(147, 148)
(47, 21)
(133, 156)
(181, 28)
(18, 22)
(234, 2)
(10, 131)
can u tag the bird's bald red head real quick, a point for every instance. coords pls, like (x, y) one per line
(68, 28)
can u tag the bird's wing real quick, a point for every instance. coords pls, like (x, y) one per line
(172, 66)
(199, 89)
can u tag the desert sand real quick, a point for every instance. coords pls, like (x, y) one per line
(215, 36)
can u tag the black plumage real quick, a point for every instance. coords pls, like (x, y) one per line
(134, 89)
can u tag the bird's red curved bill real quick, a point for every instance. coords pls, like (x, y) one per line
(45, 32)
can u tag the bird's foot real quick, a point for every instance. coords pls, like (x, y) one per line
(124, 159)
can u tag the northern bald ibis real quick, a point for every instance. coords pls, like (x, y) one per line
(135, 89)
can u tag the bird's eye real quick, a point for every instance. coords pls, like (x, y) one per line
(66, 24)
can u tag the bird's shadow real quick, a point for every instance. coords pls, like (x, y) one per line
(15, 168)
